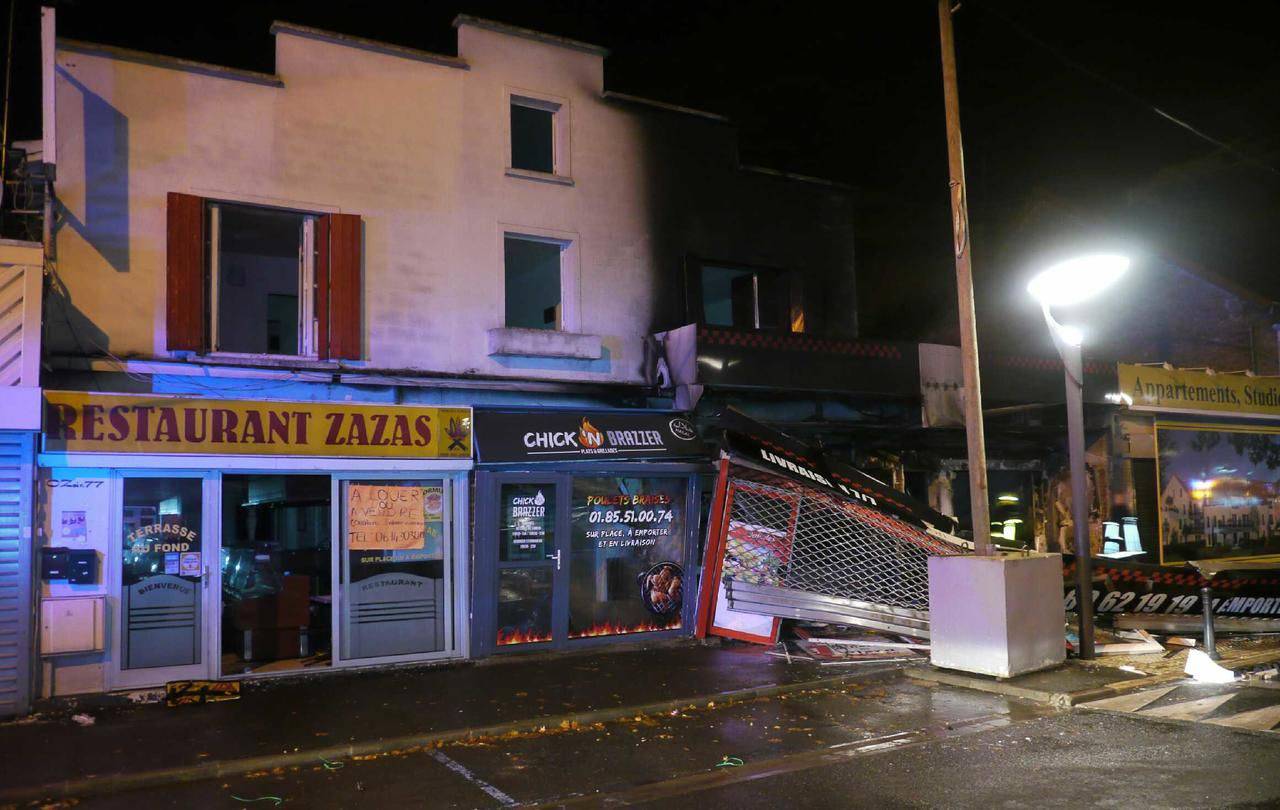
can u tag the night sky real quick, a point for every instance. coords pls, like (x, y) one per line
(1063, 147)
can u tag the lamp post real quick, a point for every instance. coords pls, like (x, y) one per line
(1072, 282)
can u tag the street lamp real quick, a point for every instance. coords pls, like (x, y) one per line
(1073, 282)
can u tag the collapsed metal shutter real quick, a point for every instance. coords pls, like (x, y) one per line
(16, 484)
(796, 552)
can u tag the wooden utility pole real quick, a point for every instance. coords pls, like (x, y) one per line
(978, 504)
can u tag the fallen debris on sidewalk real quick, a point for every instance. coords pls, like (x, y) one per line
(1193, 625)
(1118, 642)
(838, 644)
(1204, 669)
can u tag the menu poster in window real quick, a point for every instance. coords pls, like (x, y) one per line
(528, 521)
(385, 517)
(628, 544)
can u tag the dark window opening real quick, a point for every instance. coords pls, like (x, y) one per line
(742, 297)
(257, 279)
(532, 283)
(532, 138)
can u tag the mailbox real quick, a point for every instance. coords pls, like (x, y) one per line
(55, 562)
(77, 566)
(83, 569)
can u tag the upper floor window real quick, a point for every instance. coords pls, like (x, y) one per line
(739, 296)
(532, 276)
(539, 132)
(261, 265)
(533, 143)
(249, 279)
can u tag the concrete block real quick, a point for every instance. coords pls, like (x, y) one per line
(544, 343)
(1000, 616)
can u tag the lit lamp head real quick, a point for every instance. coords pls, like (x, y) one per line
(1073, 282)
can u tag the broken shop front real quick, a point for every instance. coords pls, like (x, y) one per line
(796, 534)
(186, 538)
(586, 527)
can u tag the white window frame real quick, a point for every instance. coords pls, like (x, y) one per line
(308, 325)
(570, 271)
(561, 146)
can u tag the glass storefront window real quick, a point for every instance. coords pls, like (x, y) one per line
(626, 560)
(395, 564)
(161, 572)
(275, 573)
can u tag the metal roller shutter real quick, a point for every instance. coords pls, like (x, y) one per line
(16, 485)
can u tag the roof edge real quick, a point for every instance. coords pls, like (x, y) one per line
(169, 62)
(529, 33)
(613, 95)
(800, 178)
(361, 43)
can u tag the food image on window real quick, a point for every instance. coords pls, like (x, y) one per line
(662, 588)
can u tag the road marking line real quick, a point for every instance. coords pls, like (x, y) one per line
(896, 738)
(1129, 703)
(777, 766)
(1189, 709)
(466, 773)
(1263, 719)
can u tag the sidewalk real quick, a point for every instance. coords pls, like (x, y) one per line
(294, 716)
(1084, 681)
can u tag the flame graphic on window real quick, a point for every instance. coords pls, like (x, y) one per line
(589, 435)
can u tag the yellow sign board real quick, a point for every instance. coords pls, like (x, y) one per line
(1161, 389)
(78, 421)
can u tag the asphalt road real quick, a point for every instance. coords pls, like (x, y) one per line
(890, 745)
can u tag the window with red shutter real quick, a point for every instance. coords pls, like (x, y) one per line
(254, 280)
(342, 257)
(185, 307)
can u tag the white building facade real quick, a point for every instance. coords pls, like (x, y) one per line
(276, 299)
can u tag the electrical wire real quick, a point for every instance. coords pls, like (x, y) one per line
(4, 130)
(1127, 93)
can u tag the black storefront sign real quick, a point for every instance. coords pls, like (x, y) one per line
(1121, 586)
(583, 435)
(749, 441)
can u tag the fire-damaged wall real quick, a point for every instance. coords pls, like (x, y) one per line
(419, 147)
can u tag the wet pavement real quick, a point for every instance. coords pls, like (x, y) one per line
(300, 713)
(1242, 705)
(897, 745)
(571, 764)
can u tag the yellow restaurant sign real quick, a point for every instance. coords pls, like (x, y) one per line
(1161, 389)
(76, 421)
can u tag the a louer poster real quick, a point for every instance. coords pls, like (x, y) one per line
(382, 517)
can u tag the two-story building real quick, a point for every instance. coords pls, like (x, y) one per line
(284, 308)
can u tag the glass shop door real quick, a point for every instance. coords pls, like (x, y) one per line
(532, 560)
(159, 570)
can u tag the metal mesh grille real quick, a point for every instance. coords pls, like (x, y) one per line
(789, 536)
